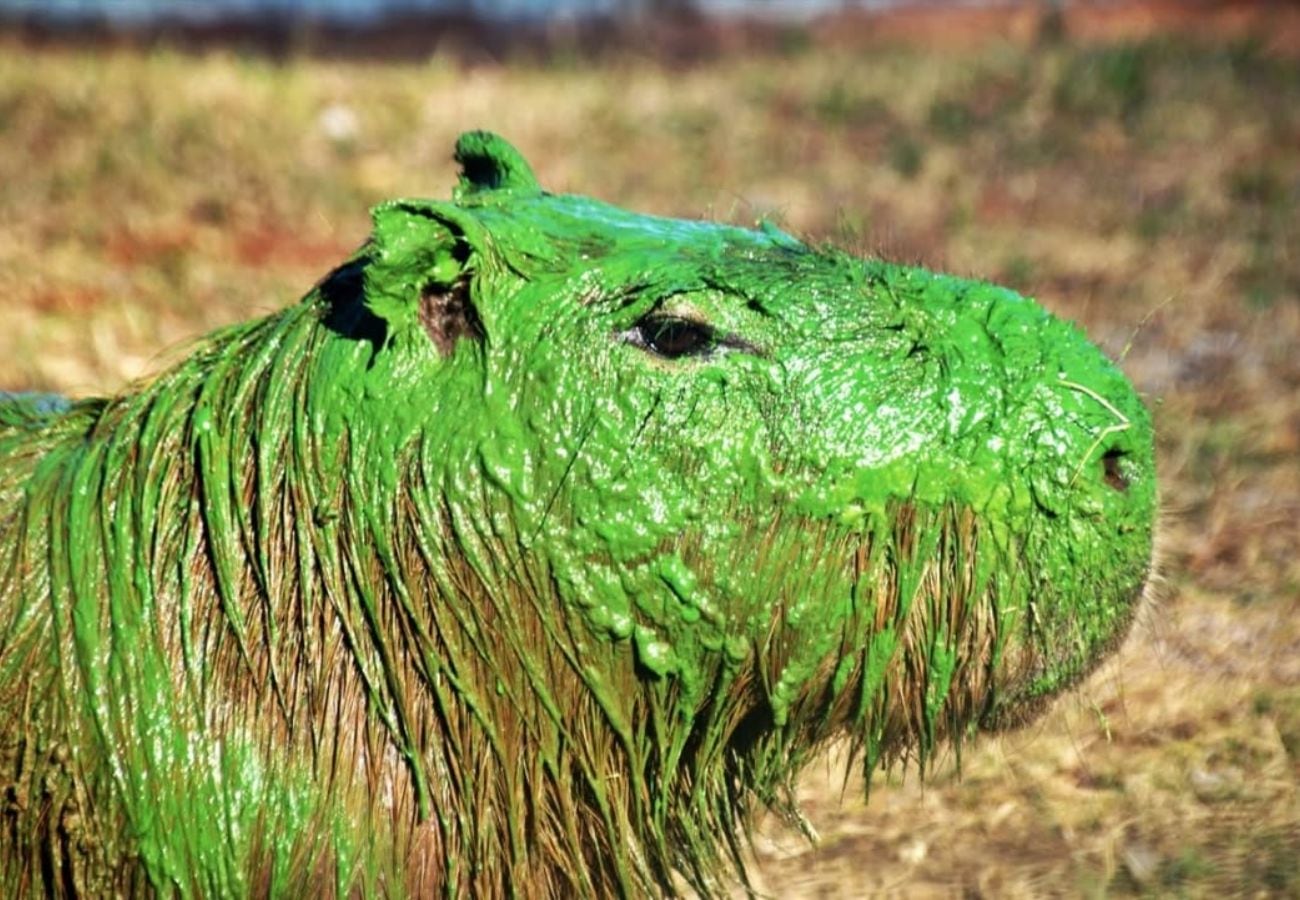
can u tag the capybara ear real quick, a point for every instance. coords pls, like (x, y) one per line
(418, 268)
(488, 162)
(448, 314)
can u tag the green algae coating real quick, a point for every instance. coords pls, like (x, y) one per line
(534, 548)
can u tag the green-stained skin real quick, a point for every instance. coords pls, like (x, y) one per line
(535, 548)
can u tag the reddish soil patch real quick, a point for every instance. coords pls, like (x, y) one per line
(130, 247)
(270, 244)
(65, 299)
(1276, 25)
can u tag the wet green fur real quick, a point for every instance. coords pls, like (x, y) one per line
(325, 609)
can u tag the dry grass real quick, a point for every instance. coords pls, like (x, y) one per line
(1150, 191)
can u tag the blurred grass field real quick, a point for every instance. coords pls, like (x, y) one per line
(1148, 190)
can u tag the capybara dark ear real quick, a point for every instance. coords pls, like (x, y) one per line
(488, 162)
(418, 272)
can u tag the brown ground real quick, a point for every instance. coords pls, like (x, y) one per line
(1149, 190)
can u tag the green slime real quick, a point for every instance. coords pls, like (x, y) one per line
(535, 548)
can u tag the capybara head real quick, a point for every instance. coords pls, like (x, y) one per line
(539, 545)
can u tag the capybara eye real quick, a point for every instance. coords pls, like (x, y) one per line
(672, 337)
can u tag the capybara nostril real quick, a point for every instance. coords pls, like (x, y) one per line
(1112, 470)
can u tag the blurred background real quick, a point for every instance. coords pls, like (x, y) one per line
(169, 167)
